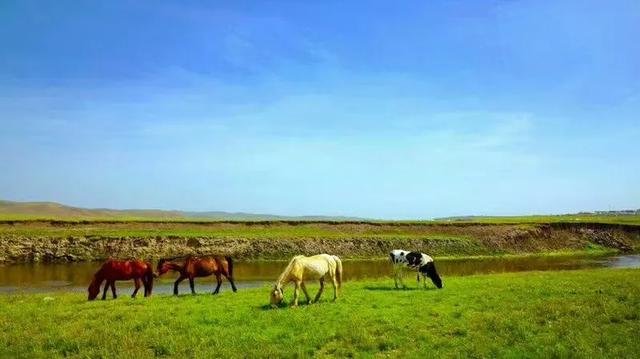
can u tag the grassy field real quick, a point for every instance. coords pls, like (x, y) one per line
(535, 314)
(228, 230)
(570, 218)
(274, 229)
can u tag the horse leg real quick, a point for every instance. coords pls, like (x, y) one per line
(136, 283)
(175, 285)
(320, 291)
(395, 275)
(113, 289)
(192, 284)
(233, 285)
(145, 284)
(296, 293)
(219, 280)
(104, 292)
(335, 287)
(306, 294)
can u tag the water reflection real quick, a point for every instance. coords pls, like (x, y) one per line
(76, 276)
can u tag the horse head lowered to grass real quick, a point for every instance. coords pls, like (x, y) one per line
(420, 262)
(113, 270)
(301, 268)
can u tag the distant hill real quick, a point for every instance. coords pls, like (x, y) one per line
(552, 218)
(57, 210)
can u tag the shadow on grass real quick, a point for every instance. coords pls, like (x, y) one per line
(286, 305)
(393, 289)
(190, 295)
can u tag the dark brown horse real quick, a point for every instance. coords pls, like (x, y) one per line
(114, 270)
(193, 267)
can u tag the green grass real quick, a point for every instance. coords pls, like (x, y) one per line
(591, 313)
(448, 230)
(591, 251)
(254, 231)
(571, 218)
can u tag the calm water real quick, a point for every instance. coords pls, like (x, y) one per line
(76, 276)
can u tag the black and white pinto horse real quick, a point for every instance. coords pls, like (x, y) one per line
(417, 261)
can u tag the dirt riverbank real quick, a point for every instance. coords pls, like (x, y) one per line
(54, 241)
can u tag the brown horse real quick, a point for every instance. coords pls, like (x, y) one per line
(114, 270)
(193, 267)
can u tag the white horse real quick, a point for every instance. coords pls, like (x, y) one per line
(301, 268)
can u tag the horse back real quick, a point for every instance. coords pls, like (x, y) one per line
(202, 267)
(318, 266)
(124, 270)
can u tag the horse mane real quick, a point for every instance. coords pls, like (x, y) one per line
(286, 272)
(94, 286)
(97, 278)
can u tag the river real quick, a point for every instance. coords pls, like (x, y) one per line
(74, 277)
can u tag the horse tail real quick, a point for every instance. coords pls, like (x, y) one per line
(338, 271)
(148, 278)
(230, 263)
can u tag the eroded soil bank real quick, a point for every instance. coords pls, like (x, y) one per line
(50, 241)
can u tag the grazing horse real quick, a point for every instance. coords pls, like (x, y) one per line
(302, 268)
(420, 262)
(113, 270)
(193, 267)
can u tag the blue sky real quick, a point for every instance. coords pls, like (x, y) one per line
(364, 108)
